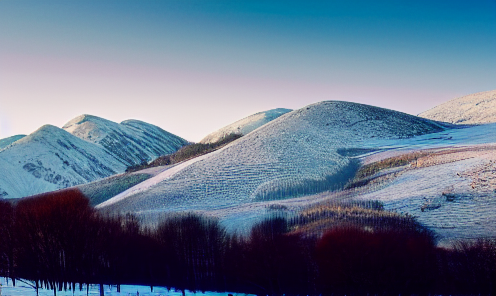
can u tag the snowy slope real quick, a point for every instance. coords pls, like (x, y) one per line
(50, 159)
(245, 125)
(472, 109)
(457, 158)
(25, 288)
(304, 151)
(7, 141)
(131, 141)
(462, 166)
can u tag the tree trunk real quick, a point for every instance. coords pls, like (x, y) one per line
(101, 290)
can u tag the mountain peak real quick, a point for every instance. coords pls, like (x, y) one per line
(82, 119)
(46, 129)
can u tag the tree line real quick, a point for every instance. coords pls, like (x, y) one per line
(58, 241)
(186, 152)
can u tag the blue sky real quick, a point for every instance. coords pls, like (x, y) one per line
(192, 67)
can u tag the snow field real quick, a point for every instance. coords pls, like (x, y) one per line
(23, 289)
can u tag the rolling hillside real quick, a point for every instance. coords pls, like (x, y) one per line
(472, 109)
(309, 150)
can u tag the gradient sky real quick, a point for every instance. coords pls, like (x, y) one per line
(192, 67)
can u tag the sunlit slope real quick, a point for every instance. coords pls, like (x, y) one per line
(245, 125)
(131, 141)
(472, 109)
(51, 159)
(304, 151)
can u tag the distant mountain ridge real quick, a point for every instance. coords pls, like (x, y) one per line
(132, 141)
(475, 108)
(245, 125)
(52, 158)
(7, 141)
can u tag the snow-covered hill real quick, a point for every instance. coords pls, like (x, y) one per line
(245, 125)
(51, 159)
(131, 141)
(88, 148)
(472, 109)
(307, 150)
(7, 141)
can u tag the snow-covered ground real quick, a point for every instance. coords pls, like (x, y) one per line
(23, 289)
(307, 150)
(245, 125)
(452, 191)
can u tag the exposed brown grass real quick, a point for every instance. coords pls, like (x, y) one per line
(320, 218)
(392, 162)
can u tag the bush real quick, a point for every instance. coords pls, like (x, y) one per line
(468, 267)
(354, 260)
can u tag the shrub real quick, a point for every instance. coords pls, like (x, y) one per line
(355, 260)
(468, 267)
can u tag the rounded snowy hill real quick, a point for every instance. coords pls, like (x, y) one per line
(245, 125)
(51, 159)
(472, 109)
(308, 150)
(131, 141)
